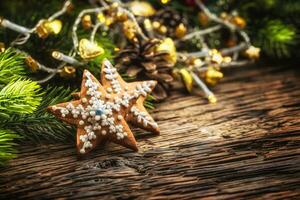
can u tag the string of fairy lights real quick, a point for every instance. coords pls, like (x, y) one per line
(134, 22)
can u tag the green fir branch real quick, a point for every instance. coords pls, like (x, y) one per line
(276, 38)
(11, 66)
(7, 150)
(41, 125)
(19, 97)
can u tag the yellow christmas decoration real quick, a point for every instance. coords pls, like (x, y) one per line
(156, 24)
(165, 1)
(187, 79)
(101, 17)
(141, 8)
(147, 24)
(238, 21)
(212, 76)
(31, 63)
(67, 72)
(216, 56)
(48, 27)
(86, 21)
(180, 31)
(107, 20)
(121, 16)
(197, 62)
(253, 52)
(227, 59)
(89, 50)
(162, 29)
(129, 29)
(167, 45)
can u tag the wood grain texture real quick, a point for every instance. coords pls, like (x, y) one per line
(247, 146)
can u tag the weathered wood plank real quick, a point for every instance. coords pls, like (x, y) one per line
(244, 147)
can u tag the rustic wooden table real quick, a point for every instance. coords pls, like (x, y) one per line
(247, 146)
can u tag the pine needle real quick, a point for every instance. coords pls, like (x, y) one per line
(11, 66)
(19, 97)
(7, 150)
(276, 38)
(40, 125)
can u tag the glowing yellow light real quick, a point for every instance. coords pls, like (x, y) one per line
(164, 1)
(147, 24)
(101, 17)
(156, 24)
(212, 98)
(54, 26)
(198, 62)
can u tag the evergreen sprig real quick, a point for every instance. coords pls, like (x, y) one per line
(19, 97)
(276, 38)
(11, 66)
(41, 125)
(7, 150)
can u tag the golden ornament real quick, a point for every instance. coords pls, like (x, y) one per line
(141, 8)
(104, 19)
(216, 56)
(227, 59)
(167, 45)
(129, 29)
(238, 21)
(192, 62)
(212, 76)
(89, 50)
(197, 62)
(253, 52)
(86, 21)
(101, 17)
(67, 72)
(121, 16)
(180, 31)
(31, 63)
(187, 79)
(48, 27)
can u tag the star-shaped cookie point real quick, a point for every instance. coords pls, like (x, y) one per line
(102, 111)
(137, 114)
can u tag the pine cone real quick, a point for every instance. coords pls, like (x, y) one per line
(141, 61)
(171, 20)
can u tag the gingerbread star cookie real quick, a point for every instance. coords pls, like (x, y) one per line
(137, 114)
(101, 113)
